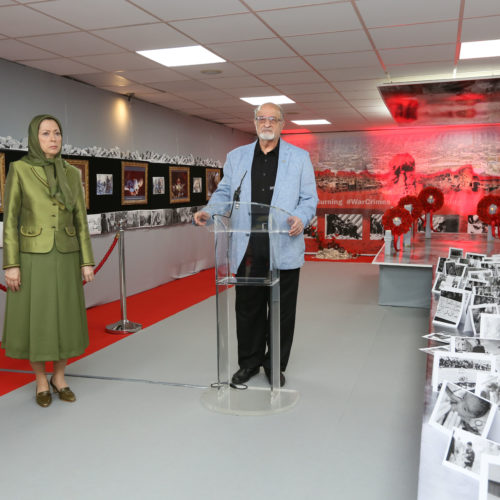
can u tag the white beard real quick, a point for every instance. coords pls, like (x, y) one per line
(266, 136)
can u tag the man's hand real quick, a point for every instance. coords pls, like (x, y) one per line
(201, 218)
(296, 226)
(13, 278)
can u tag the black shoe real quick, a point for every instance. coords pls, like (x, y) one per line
(282, 377)
(244, 374)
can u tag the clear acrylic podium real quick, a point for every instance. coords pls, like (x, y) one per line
(233, 225)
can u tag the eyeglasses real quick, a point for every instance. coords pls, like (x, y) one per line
(270, 119)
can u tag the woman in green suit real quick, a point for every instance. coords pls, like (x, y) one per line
(47, 251)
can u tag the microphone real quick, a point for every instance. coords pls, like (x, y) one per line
(236, 195)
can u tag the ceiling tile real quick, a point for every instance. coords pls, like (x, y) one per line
(73, 44)
(283, 65)
(6, 2)
(279, 4)
(60, 66)
(414, 35)
(419, 54)
(289, 78)
(484, 28)
(484, 64)
(235, 82)
(177, 86)
(252, 49)
(196, 71)
(477, 8)
(145, 37)
(153, 75)
(394, 13)
(320, 97)
(105, 80)
(190, 9)
(359, 84)
(115, 62)
(202, 96)
(342, 74)
(312, 19)
(252, 91)
(422, 69)
(130, 89)
(94, 14)
(13, 50)
(305, 88)
(344, 60)
(233, 28)
(20, 21)
(330, 43)
(361, 94)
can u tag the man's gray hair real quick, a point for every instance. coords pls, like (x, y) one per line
(280, 109)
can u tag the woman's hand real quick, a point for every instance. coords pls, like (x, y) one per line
(88, 273)
(13, 278)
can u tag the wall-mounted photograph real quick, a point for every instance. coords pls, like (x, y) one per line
(134, 183)
(104, 184)
(179, 184)
(213, 177)
(83, 168)
(197, 184)
(158, 185)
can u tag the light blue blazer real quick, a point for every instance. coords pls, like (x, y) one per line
(294, 192)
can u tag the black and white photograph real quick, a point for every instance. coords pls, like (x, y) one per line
(489, 481)
(473, 255)
(475, 313)
(108, 222)
(132, 221)
(458, 408)
(185, 215)
(483, 299)
(453, 268)
(104, 184)
(441, 224)
(94, 221)
(460, 368)
(489, 346)
(488, 387)
(157, 217)
(169, 216)
(443, 337)
(455, 253)
(376, 228)
(440, 264)
(475, 225)
(437, 348)
(493, 291)
(450, 307)
(344, 226)
(158, 185)
(465, 450)
(197, 185)
(144, 218)
(442, 280)
(489, 325)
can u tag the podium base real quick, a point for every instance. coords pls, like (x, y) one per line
(123, 326)
(251, 401)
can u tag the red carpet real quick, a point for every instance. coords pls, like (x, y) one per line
(145, 308)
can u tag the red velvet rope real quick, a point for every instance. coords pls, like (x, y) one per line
(97, 269)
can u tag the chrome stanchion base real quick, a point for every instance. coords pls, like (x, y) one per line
(123, 326)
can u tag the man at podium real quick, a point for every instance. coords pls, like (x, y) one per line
(272, 172)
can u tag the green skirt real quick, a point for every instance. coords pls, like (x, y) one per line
(46, 319)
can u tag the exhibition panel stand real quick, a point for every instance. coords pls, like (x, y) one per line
(405, 277)
(266, 227)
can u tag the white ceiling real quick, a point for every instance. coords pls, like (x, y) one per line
(328, 56)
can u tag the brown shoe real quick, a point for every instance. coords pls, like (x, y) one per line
(65, 394)
(43, 398)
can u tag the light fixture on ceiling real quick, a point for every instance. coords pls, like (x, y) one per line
(311, 122)
(476, 50)
(276, 99)
(182, 56)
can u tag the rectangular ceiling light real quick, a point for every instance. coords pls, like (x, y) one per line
(311, 122)
(276, 99)
(476, 50)
(182, 56)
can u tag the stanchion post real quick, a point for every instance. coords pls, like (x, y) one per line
(124, 325)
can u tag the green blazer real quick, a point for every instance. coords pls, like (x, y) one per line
(34, 221)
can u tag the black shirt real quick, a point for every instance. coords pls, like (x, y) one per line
(264, 169)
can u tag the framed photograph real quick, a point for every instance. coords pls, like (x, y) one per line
(212, 179)
(134, 183)
(2, 179)
(197, 184)
(457, 408)
(83, 167)
(104, 184)
(179, 184)
(489, 478)
(158, 185)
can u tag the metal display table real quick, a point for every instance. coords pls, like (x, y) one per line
(405, 277)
